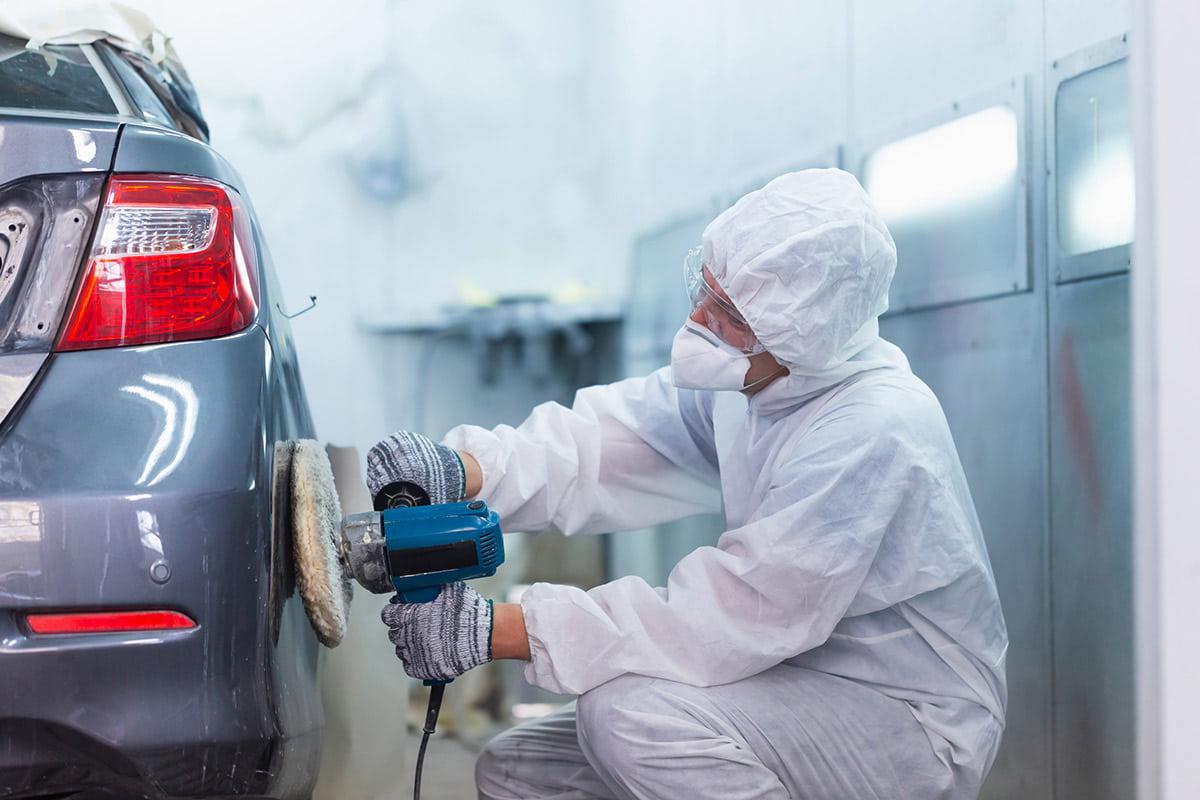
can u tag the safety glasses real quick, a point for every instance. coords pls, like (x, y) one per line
(712, 308)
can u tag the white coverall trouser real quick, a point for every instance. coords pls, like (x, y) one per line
(788, 732)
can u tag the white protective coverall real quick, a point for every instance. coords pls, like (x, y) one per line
(844, 637)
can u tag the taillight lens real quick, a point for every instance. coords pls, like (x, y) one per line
(173, 259)
(109, 621)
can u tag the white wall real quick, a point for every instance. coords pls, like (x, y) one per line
(710, 100)
(1166, 393)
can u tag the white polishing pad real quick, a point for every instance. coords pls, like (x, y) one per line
(316, 517)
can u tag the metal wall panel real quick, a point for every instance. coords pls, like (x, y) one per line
(986, 363)
(758, 178)
(1072, 24)
(658, 303)
(921, 54)
(1091, 549)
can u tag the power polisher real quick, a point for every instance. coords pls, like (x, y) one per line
(406, 546)
(414, 548)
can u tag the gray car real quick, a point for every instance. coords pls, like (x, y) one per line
(151, 641)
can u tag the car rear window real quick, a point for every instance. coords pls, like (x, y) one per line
(142, 95)
(53, 78)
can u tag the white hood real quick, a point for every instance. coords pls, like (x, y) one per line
(808, 262)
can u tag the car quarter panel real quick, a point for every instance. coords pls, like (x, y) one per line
(43, 145)
(125, 459)
(145, 148)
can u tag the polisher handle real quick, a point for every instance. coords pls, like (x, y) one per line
(426, 594)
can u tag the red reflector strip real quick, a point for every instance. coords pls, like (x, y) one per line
(109, 621)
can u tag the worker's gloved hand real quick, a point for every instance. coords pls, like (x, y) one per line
(408, 456)
(442, 639)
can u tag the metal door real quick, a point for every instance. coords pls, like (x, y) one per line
(1091, 549)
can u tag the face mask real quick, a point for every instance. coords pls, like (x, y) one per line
(699, 360)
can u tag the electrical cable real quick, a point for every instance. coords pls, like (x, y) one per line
(436, 691)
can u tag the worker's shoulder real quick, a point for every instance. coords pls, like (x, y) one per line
(882, 402)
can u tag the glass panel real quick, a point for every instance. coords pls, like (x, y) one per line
(1094, 158)
(952, 198)
(53, 78)
(147, 102)
(658, 302)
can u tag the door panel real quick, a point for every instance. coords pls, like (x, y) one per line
(1091, 550)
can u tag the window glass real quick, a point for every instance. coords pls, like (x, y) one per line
(147, 103)
(1094, 160)
(53, 78)
(953, 200)
(173, 90)
(660, 303)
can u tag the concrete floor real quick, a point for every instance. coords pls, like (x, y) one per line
(449, 769)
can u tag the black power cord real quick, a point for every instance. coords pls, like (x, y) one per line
(431, 717)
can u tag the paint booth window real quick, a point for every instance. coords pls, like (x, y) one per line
(1094, 157)
(52, 78)
(660, 305)
(953, 198)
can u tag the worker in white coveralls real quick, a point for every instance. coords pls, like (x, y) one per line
(843, 639)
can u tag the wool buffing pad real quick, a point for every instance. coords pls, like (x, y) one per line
(316, 520)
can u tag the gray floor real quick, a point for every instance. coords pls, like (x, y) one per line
(449, 769)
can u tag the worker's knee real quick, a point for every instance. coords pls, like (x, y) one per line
(616, 720)
(494, 767)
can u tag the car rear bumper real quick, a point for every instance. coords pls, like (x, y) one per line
(122, 460)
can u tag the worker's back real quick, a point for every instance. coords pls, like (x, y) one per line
(925, 624)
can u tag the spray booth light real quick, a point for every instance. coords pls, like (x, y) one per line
(1094, 151)
(939, 169)
(1100, 202)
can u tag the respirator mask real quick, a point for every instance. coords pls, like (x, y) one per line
(699, 360)
(712, 350)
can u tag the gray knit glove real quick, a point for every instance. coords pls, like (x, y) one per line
(408, 456)
(442, 639)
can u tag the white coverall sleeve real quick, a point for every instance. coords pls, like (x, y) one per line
(625, 456)
(769, 590)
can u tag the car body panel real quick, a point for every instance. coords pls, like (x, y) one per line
(149, 148)
(172, 463)
(42, 145)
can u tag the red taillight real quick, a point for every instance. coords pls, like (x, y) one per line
(109, 621)
(172, 260)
